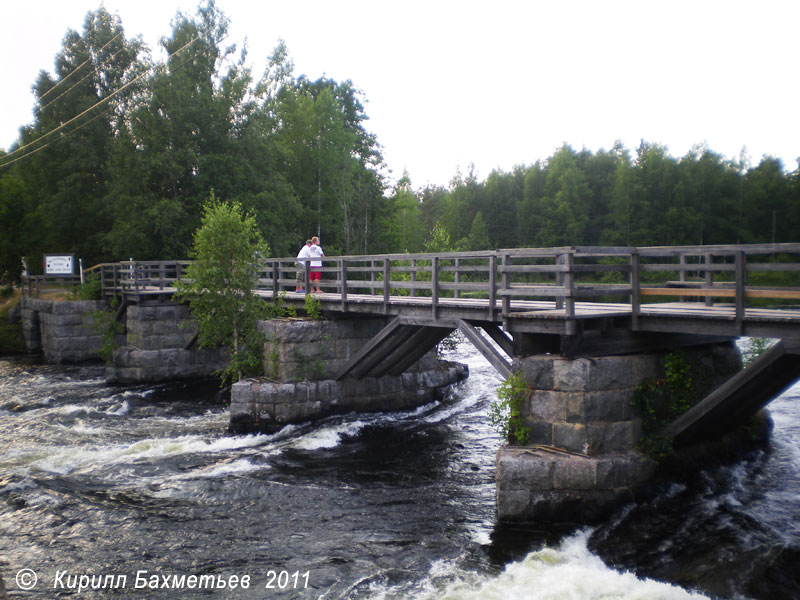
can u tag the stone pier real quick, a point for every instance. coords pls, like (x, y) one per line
(300, 360)
(63, 332)
(581, 460)
(157, 346)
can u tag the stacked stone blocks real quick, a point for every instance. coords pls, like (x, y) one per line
(300, 360)
(63, 331)
(155, 347)
(298, 350)
(581, 460)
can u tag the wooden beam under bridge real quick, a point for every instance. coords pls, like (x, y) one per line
(483, 346)
(395, 348)
(742, 396)
(402, 342)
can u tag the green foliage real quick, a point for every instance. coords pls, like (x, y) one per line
(506, 411)
(131, 181)
(219, 284)
(20, 226)
(313, 307)
(279, 309)
(478, 238)
(105, 324)
(754, 348)
(438, 240)
(405, 227)
(660, 401)
(89, 289)
(11, 341)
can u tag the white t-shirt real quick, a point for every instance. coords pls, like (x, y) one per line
(303, 255)
(316, 253)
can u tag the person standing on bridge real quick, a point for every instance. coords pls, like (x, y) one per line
(302, 258)
(316, 254)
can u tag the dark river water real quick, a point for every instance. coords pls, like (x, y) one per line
(140, 492)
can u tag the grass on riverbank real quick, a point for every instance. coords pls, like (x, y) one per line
(11, 341)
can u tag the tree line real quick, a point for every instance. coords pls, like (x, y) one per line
(124, 151)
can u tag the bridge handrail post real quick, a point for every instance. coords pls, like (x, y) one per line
(386, 286)
(413, 277)
(682, 275)
(708, 259)
(559, 281)
(741, 281)
(492, 285)
(162, 275)
(435, 287)
(636, 291)
(135, 271)
(343, 275)
(506, 284)
(458, 278)
(569, 296)
(276, 274)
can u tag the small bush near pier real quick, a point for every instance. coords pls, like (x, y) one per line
(661, 400)
(506, 412)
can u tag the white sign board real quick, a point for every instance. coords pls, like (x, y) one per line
(59, 264)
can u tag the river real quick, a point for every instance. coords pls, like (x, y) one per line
(139, 492)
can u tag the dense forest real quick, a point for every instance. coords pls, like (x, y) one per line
(124, 151)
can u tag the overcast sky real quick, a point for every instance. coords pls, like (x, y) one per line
(494, 83)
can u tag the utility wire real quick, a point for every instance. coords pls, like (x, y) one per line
(62, 137)
(113, 56)
(60, 82)
(103, 101)
(82, 125)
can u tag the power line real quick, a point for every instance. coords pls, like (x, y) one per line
(75, 71)
(103, 101)
(63, 137)
(60, 82)
(80, 40)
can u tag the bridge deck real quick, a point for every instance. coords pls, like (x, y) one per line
(543, 316)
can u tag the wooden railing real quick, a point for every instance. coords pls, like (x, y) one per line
(139, 277)
(33, 286)
(563, 275)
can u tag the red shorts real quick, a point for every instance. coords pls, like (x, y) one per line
(316, 273)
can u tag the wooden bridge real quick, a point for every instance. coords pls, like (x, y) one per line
(571, 292)
(572, 301)
(534, 310)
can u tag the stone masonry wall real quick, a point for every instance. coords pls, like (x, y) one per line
(300, 360)
(584, 405)
(581, 460)
(31, 329)
(298, 350)
(62, 331)
(154, 349)
(259, 404)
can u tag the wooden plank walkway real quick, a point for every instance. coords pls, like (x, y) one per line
(679, 317)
